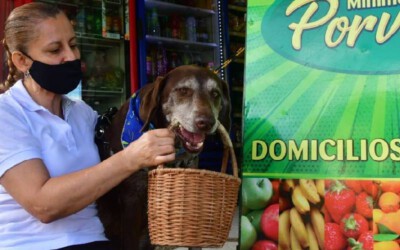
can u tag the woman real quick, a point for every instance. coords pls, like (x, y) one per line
(50, 172)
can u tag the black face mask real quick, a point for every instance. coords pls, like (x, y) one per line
(60, 78)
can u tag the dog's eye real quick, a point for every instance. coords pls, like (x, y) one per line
(215, 94)
(184, 91)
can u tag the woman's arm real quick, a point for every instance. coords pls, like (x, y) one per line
(49, 199)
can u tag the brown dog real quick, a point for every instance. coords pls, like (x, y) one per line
(192, 97)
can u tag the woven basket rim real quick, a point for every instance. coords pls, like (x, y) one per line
(193, 171)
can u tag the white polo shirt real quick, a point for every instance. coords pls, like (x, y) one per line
(29, 131)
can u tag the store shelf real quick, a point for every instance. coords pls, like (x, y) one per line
(236, 8)
(239, 60)
(178, 43)
(97, 41)
(101, 93)
(171, 8)
(237, 34)
(237, 88)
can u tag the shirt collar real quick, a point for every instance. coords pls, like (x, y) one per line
(21, 95)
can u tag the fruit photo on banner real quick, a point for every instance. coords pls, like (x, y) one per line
(316, 214)
(321, 115)
(259, 214)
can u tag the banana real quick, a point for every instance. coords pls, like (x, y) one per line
(294, 242)
(309, 190)
(320, 184)
(318, 224)
(284, 228)
(298, 227)
(312, 239)
(288, 185)
(300, 201)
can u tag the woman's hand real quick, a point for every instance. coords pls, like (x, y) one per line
(153, 148)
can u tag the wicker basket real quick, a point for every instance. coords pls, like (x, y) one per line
(193, 207)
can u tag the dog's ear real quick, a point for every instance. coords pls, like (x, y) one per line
(225, 113)
(150, 104)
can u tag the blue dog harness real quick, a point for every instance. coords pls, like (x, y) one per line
(133, 123)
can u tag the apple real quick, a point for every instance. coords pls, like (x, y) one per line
(270, 222)
(255, 219)
(264, 245)
(256, 193)
(275, 191)
(248, 234)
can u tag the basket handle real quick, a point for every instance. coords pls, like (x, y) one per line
(228, 149)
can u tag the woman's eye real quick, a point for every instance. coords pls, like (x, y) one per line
(54, 51)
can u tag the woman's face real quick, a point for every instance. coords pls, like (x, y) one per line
(56, 41)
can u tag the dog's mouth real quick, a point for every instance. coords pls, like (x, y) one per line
(192, 142)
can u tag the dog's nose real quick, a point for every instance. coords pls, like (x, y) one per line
(204, 123)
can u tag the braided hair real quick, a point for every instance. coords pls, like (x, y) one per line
(20, 30)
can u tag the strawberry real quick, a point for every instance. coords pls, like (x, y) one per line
(371, 188)
(339, 200)
(327, 216)
(355, 185)
(334, 239)
(364, 204)
(353, 225)
(364, 242)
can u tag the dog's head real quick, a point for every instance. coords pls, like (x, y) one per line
(192, 97)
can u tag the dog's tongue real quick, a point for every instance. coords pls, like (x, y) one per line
(193, 137)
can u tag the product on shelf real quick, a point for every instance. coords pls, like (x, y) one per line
(191, 25)
(154, 24)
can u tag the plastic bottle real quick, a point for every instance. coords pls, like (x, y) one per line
(191, 29)
(187, 58)
(202, 32)
(154, 23)
(161, 60)
(174, 61)
(175, 27)
(149, 67)
(80, 20)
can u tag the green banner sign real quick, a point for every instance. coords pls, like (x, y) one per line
(322, 83)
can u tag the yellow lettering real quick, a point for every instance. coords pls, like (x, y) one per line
(363, 150)
(358, 25)
(342, 25)
(350, 151)
(304, 23)
(314, 150)
(373, 148)
(323, 149)
(395, 146)
(273, 150)
(255, 154)
(340, 150)
(297, 152)
(381, 37)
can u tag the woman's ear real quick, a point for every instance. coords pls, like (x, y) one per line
(21, 62)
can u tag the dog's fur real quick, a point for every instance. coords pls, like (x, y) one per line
(191, 96)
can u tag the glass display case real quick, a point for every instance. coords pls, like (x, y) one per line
(99, 27)
(178, 32)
